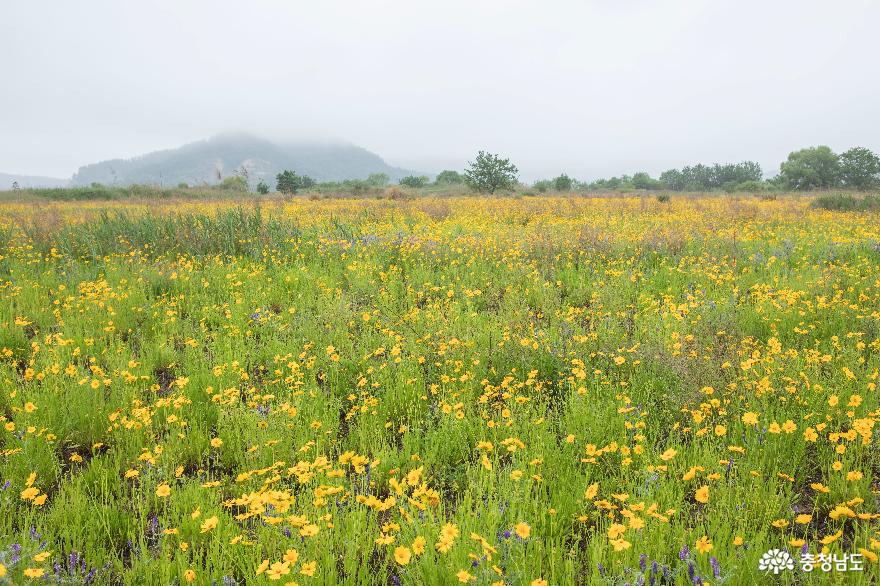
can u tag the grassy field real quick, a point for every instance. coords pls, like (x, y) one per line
(442, 390)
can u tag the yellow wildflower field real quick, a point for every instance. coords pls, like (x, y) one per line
(478, 390)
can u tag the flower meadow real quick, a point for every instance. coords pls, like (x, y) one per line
(463, 390)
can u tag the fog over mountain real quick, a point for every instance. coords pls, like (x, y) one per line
(209, 161)
(592, 88)
(7, 180)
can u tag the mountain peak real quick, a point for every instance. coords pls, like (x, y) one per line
(222, 155)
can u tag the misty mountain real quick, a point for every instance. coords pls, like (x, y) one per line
(25, 181)
(211, 160)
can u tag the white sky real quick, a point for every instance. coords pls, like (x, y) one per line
(591, 88)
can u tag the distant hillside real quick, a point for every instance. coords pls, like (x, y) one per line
(25, 181)
(210, 160)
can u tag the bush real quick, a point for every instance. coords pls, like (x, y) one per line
(234, 183)
(414, 181)
(262, 187)
(449, 178)
(663, 198)
(543, 185)
(752, 186)
(844, 202)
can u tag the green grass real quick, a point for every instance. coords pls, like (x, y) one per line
(579, 337)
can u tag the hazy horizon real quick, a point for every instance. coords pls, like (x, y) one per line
(592, 89)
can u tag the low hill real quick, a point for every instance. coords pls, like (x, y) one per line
(30, 181)
(211, 160)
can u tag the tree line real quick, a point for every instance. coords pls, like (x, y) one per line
(811, 168)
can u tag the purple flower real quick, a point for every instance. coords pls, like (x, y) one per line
(716, 567)
(683, 554)
(643, 562)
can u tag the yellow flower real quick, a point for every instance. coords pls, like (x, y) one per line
(780, 523)
(216, 442)
(34, 572)
(523, 530)
(29, 493)
(2, 570)
(277, 570)
(750, 418)
(418, 545)
(209, 524)
(668, 455)
(189, 576)
(464, 577)
(618, 360)
(704, 544)
(163, 490)
(803, 519)
(738, 541)
(30, 407)
(309, 568)
(402, 555)
(290, 556)
(42, 556)
(616, 530)
(591, 491)
(702, 494)
(539, 582)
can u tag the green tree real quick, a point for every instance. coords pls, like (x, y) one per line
(642, 180)
(489, 173)
(378, 179)
(563, 183)
(859, 168)
(262, 187)
(811, 168)
(288, 182)
(414, 181)
(449, 178)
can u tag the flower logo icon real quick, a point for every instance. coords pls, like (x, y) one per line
(776, 560)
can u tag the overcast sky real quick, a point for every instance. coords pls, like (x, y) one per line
(591, 88)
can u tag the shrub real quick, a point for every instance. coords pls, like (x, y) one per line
(234, 183)
(414, 181)
(844, 202)
(449, 178)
